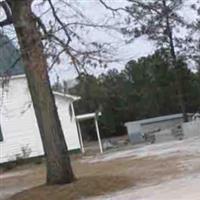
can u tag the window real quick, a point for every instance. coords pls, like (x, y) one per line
(1, 135)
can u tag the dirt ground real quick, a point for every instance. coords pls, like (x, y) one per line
(143, 173)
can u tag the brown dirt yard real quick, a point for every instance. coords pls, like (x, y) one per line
(144, 173)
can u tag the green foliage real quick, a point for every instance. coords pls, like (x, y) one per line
(158, 19)
(145, 88)
(153, 81)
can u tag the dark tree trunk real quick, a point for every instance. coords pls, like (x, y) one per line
(59, 169)
(179, 85)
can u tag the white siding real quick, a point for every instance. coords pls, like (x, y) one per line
(18, 122)
(191, 129)
(68, 123)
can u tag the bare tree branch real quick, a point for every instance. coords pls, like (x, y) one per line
(56, 59)
(59, 21)
(93, 52)
(110, 8)
(137, 3)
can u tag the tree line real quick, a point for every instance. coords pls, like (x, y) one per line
(144, 88)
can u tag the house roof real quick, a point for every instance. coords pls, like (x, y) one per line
(10, 62)
(62, 95)
(157, 119)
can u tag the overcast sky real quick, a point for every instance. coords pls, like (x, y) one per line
(124, 51)
(96, 12)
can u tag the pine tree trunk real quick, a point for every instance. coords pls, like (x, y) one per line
(178, 74)
(59, 169)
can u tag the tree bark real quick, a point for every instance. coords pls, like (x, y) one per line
(59, 170)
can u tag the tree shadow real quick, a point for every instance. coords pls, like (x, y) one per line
(81, 188)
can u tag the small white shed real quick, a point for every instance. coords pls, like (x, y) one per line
(162, 126)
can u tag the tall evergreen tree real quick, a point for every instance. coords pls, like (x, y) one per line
(160, 21)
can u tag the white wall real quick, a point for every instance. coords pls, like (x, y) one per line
(164, 123)
(191, 129)
(19, 125)
(68, 123)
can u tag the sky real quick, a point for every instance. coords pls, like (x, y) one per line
(123, 52)
(95, 12)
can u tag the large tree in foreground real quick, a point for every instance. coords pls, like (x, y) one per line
(19, 13)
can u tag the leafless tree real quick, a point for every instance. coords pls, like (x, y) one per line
(19, 13)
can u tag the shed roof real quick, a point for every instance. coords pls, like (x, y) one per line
(10, 62)
(157, 119)
(59, 94)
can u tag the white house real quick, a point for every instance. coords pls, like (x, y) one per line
(19, 129)
(19, 132)
(18, 126)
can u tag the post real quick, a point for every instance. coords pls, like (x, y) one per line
(80, 136)
(98, 135)
(79, 129)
